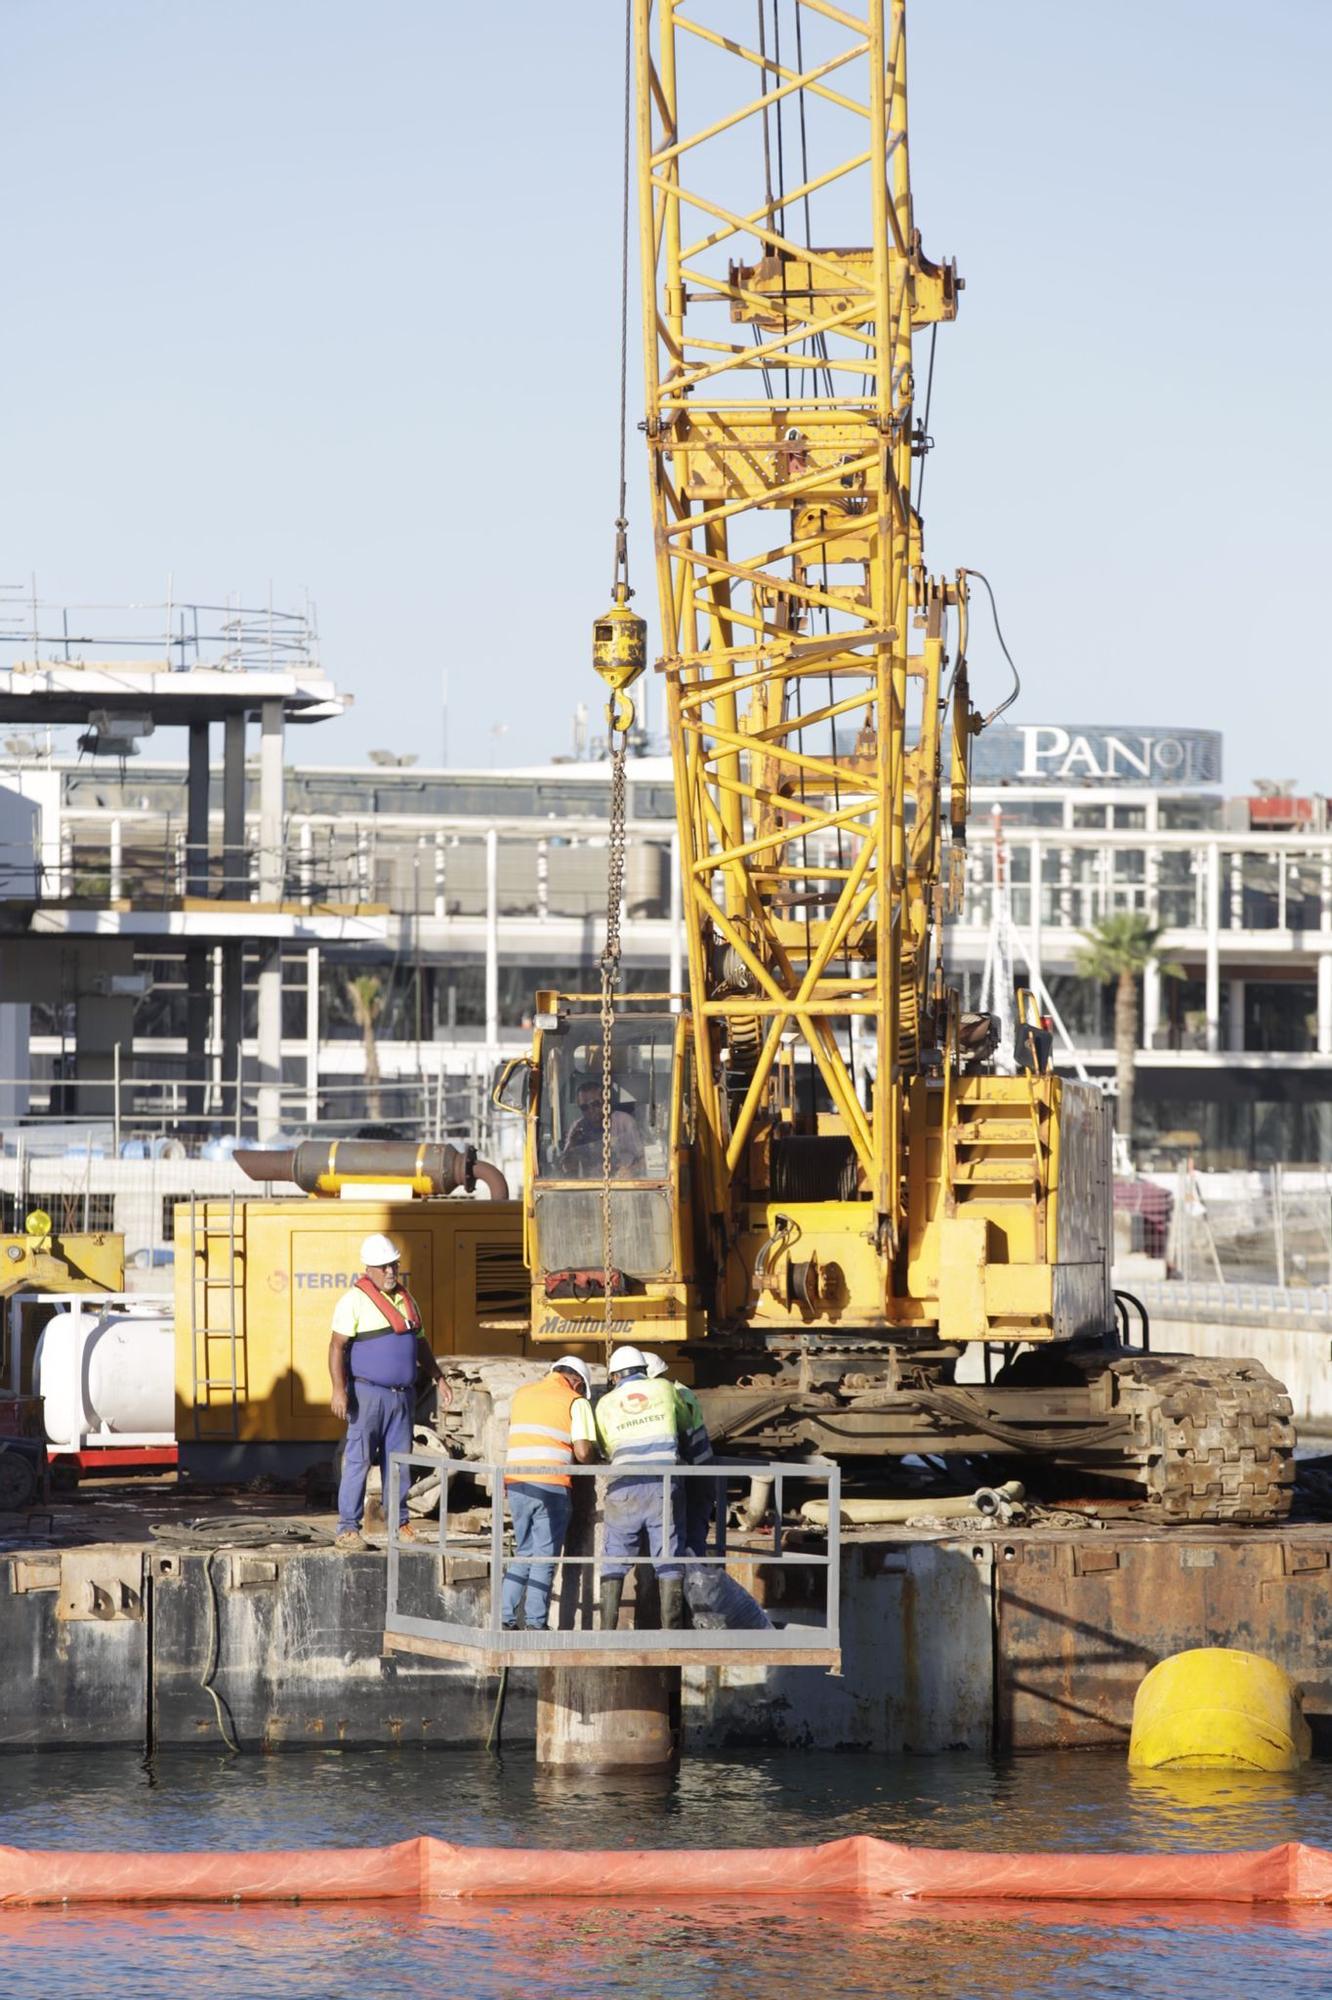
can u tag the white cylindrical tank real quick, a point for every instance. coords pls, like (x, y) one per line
(107, 1378)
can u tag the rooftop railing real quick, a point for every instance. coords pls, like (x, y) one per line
(233, 636)
(1061, 880)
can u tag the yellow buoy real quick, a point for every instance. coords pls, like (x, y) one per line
(1216, 1708)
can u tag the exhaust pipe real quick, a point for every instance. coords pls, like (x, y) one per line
(323, 1168)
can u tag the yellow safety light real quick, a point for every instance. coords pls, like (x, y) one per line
(619, 653)
(37, 1223)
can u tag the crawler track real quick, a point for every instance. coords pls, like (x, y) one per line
(1220, 1443)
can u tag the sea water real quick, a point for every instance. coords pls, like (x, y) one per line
(674, 1949)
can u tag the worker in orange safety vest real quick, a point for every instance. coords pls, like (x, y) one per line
(550, 1425)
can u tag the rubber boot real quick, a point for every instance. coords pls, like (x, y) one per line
(672, 1604)
(612, 1590)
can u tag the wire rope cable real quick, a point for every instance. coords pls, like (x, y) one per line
(621, 519)
(819, 344)
(616, 738)
(1016, 688)
(241, 1531)
(213, 1654)
(925, 421)
(217, 1534)
(493, 1734)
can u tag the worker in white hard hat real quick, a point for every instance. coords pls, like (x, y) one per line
(550, 1427)
(377, 1355)
(639, 1423)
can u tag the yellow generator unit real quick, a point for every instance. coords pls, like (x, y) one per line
(257, 1278)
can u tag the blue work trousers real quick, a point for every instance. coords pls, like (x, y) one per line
(378, 1421)
(540, 1517)
(633, 1510)
(700, 1506)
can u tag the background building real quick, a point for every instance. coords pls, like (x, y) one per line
(414, 914)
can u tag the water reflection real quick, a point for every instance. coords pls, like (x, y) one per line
(1214, 1808)
(728, 1951)
(1077, 1801)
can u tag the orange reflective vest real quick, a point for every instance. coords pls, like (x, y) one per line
(541, 1430)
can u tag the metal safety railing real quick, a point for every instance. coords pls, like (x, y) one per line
(813, 1641)
(38, 631)
(1306, 1308)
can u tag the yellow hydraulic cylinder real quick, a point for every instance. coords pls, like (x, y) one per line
(1217, 1708)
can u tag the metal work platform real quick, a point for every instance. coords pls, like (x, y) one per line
(464, 1572)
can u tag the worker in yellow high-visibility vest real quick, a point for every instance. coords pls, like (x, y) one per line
(639, 1423)
(550, 1425)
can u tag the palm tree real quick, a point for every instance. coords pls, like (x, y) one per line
(1119, 950)
(366, 995)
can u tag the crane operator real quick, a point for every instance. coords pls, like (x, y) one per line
(580, 1155)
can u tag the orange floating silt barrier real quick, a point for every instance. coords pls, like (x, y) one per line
(426, 1870)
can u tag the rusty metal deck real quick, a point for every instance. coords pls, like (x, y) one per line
(1080, 1618)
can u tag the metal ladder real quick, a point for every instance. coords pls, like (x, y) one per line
(205, 1329)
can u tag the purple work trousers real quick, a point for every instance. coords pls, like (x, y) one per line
(379, 1421)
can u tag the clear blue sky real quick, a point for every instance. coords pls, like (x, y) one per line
(324, 293)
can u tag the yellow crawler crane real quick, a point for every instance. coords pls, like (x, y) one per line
(822, 1178)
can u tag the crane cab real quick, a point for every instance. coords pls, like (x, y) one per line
(654, 1257)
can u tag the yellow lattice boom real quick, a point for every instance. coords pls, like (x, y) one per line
(803, 642)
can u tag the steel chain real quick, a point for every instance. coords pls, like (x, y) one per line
(610, 979)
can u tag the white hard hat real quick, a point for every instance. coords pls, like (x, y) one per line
(576, 1367)
(656, 1366)
(377, 1251)
(625, 1358)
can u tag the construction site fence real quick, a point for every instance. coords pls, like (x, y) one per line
(1270, 1227)
(182, 1106)
(577, 1634)
(425, 1870)
(1293, 1306)
(90, 1189)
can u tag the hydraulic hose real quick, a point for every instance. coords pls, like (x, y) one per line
(895, 1513)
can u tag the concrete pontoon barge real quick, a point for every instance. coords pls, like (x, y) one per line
(1010, 1639)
